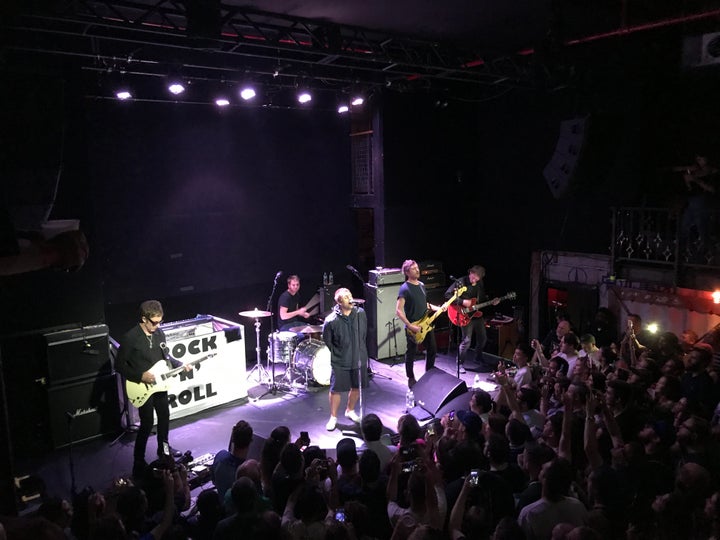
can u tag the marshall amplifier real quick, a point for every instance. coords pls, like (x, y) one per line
(78, 353)
(83, 410)
(386, 276)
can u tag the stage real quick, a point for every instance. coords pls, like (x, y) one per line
(99, 462)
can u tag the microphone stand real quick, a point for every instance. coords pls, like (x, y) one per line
(458, 331)
(372, 288)
(273, 388)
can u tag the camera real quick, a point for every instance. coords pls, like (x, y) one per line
(474, 477)
(431, 429)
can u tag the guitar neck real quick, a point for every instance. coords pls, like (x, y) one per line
(175, 371)
(485, 304)
(446, 305)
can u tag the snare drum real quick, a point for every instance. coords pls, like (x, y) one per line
(284, 344)
(313, 358)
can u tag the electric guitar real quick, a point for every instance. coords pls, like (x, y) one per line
(461, 316)
(139, 393)
(425, 323)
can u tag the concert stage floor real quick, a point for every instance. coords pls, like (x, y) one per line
(98, 463)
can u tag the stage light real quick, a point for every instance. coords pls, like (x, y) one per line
(716, 297)
(304, 97)
(653, 328)
(247, 92)
(357, 101)
(123, 93)
(176, 88)
(222, 102)
(343, 108)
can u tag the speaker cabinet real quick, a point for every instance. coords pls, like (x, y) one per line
(83, 410)
(561, 168)
(78, 353)
(386, 333)
(458, 403)
(436, 388)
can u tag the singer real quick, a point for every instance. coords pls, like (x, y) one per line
(140, 349)
(345, 334)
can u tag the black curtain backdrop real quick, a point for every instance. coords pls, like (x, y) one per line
(196, 200)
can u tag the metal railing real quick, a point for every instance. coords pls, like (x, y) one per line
(659, 236)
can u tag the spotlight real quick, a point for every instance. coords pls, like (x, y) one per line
(357, 101)
(123, 93)
(653, 327)
(304, 97)
(716, 297)
(247, 92)
(176, 87)
(343, 108)
(222, 102)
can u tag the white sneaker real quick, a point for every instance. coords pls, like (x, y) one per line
(331, 423)
(352, 416)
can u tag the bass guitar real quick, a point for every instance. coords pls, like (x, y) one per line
(425, 323)
(461, 316)
(139, 393)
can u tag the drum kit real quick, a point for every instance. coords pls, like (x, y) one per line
(305, 356)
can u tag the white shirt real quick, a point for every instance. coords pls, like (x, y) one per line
(523, 377)
(538, 519)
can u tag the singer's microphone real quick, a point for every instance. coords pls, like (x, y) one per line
(352, 269)
(278, 274)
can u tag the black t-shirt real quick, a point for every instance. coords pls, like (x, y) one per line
(292, 303)
(415, 300)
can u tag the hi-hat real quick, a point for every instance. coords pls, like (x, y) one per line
(307, 329)
(255, 313)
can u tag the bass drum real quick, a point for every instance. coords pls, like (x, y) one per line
(312, 357)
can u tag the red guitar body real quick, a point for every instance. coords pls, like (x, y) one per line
(458, 316)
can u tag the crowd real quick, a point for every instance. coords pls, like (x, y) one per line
(581, 441)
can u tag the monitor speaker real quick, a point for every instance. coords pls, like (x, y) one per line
(435, 388)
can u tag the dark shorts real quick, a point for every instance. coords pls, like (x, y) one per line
(342, 380)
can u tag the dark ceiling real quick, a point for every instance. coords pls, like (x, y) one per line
(467, 48)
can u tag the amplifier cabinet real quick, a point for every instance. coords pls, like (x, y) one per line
(83, 410)
(77, 353)
(386, 333)
(386, 276)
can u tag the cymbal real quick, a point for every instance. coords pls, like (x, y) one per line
(255, 313)
(307, 329)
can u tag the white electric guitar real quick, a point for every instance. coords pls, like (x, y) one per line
(139, 393)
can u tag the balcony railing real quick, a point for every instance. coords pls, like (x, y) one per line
(659, 236)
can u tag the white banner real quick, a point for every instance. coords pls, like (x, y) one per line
(216, 380)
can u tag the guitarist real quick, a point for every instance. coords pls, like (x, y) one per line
(474, 294)
(140, 349)
(412, 305)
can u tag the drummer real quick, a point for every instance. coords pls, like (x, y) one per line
(290, 312)
(345, 333)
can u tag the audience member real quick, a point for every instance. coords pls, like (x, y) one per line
(226, 462)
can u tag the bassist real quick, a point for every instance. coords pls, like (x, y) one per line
(474, 294)
(411, 307)
(140, 348)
